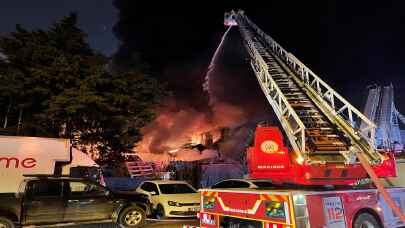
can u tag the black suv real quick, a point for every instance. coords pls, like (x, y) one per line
(61, 200)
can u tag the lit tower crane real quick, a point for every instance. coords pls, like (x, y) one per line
(325, 145)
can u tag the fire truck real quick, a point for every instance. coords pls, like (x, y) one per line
(321, 159)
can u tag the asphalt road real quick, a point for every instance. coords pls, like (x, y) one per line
(169, 223)
(173, 224)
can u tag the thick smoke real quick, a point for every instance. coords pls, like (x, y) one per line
(237, 100)
(181, 62)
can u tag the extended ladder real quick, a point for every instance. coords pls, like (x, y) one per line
(320, 124)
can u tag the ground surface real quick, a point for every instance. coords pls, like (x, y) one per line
(169, 223)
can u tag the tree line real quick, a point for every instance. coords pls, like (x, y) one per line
(54, 85)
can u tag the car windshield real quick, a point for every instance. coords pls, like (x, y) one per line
(263, 184)
(175, 189)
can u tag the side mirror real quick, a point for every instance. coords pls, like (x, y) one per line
(153, 193)
(18, 195)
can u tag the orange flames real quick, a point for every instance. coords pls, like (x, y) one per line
(175, 127)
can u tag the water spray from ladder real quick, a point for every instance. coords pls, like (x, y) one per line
(206, 85)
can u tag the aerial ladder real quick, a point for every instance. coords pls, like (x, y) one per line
(329, 141)
(325, 141)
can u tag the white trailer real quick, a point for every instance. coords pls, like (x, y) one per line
(21, 156)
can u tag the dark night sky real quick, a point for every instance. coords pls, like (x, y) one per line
(96, 17)
(350, 44)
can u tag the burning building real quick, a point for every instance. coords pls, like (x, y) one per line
(193, 122)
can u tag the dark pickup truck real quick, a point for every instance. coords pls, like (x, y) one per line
(44, 201)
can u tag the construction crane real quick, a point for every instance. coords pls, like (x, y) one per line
(321, 126)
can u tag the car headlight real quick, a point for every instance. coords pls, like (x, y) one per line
(173, 203)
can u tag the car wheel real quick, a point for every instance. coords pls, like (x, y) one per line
(366, 220)
(6, 223)
(132, 216)
(160, 212)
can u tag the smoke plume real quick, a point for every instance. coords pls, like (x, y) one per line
(181, 61)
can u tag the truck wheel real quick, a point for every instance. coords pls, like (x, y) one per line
(366, 220)
(132, 216)
(160, 212)
(6, 223)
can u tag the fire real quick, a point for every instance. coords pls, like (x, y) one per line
(173, 151)
(176, 129)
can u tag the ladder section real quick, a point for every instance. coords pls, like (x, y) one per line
(289, 120)
(324, 142)
(322, 138)
(319, 123)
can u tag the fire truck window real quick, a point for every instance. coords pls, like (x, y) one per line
(46, 188)
(240, 184)
(263, 184)
(231, 184)
(223, 184)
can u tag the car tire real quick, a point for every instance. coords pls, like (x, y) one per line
(160, 212)
(6, 223)
(366, 220)
(131, 217)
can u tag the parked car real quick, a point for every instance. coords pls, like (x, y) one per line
(171, 198)
(243, 183)
(51, 200)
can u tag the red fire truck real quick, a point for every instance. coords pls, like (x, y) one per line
(288, 205)
(298, 208)
(324, 165)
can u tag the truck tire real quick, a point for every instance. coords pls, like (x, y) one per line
(6, 223)
(132, 216)
(366, 220)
